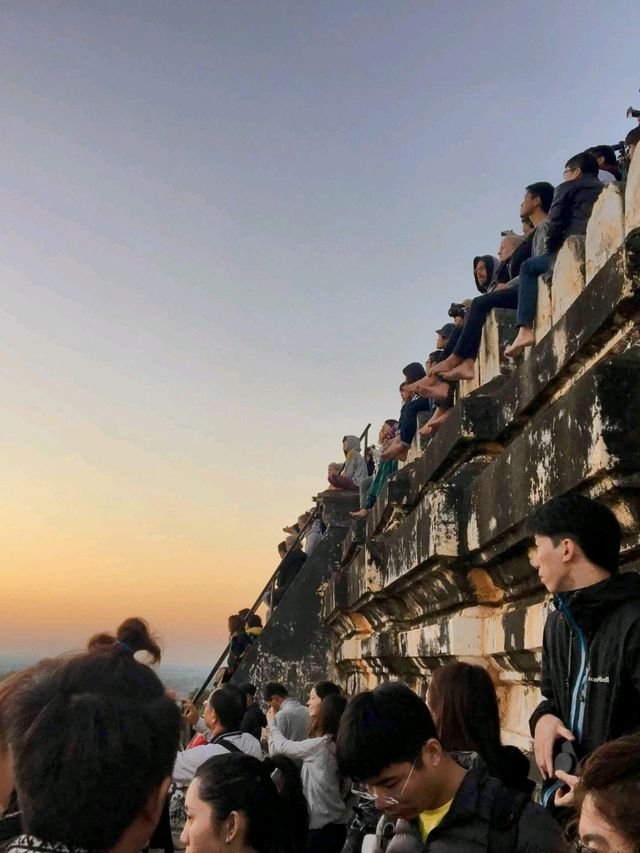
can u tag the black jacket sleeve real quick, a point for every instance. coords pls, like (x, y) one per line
(549, 704)
(559, 215)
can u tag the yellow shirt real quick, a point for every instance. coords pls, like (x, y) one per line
(430, 819)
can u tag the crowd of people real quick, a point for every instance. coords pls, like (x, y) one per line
(96, 754)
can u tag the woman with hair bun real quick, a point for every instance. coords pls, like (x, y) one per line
(133, 635)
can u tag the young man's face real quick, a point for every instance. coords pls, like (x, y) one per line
(405, 395)
(529, 205)
(481, 273)
(553, 563)
(441, 342)
(275, 703)
(405, 789)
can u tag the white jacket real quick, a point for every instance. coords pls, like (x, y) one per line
(188, 761)
(320, 777)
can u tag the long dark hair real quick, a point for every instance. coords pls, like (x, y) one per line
(327, 720)
(239, 782)
(464, 703)
(289, 787)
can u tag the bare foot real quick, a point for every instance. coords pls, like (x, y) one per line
(465, 370)
(391, 449)
(361, 513)
(524, 338)
(402, 455)
(440, 391)
(448, 364)
(436, 421)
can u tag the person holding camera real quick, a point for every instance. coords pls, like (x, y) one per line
(590, 678)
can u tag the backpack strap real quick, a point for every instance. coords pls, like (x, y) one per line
(223, 741)
(506, 811)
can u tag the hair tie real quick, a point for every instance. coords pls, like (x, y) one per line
(125, 646)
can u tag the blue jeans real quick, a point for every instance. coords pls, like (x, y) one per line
(528, 288)
(408, 418)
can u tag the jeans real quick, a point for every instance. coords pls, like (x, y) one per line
(408, 418)
(528, 288)
(365, 484)
(469, 342)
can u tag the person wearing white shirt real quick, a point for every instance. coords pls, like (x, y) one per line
(321, 782)
(291, 716)
(221, 727)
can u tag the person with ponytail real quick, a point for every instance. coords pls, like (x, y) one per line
(134, 635)
(320, 777)
(93, 741)
(233, 805)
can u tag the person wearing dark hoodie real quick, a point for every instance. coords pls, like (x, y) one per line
(484, 272)
(461, 364)
(569, 214)
(293, 561)
(590, 678)
(354, 469)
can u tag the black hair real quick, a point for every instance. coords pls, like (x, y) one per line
(590, 524)
(274, 688)
(385, 726)
(248, 689)
(391, 422)
(633, 137)
(253, 621)
(133, 635)
(92, 739)
(242, 783)
(292, 797)
(604, 151)
(229, 703)
(282, 546)
(326, 688)
(544, 191)
(584, 161)
(414, 371)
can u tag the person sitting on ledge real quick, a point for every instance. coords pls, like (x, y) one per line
(509, 245)
(461, 363)
(569, 214)
(398, 447)
(607, 164)
(386, 467)
(354, 469)
(484, 270)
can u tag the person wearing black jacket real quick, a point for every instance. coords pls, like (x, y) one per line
(590, 679)
(388, 742)
(254, 719)
(294, 560)
(570, 210)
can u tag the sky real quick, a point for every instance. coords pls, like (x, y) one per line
(226, 227)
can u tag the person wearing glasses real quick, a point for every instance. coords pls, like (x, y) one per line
(388, 742)
(569, 214)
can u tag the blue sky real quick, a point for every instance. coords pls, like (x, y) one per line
(227, 226)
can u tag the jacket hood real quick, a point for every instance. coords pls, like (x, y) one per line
(353, 442)
(588, 606)
(492, 264)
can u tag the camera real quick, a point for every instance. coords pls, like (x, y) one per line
(631, 113)
(457, 309)
(509, 232)
(565, 757)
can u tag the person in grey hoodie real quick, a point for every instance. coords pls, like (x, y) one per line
(354, 469)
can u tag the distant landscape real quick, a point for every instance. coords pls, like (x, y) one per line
(183, 679)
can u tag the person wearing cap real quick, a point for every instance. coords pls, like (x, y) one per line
(444, 334)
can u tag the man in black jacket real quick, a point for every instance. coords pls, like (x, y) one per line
(387, 741)
(294, 560)
(569, 213)
(591, 657)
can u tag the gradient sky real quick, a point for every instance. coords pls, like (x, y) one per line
(226, 228)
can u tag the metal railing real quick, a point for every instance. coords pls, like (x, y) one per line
(270, 585)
